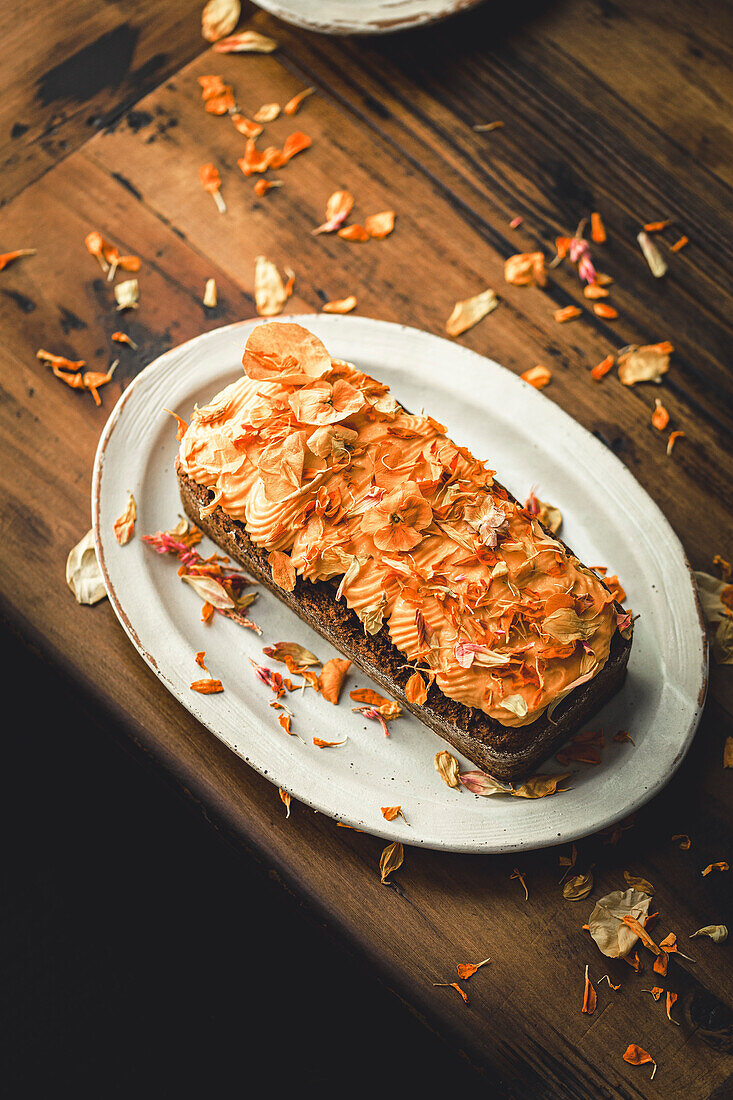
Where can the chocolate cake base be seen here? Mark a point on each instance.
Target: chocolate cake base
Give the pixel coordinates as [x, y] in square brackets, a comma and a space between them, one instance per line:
[506, 752]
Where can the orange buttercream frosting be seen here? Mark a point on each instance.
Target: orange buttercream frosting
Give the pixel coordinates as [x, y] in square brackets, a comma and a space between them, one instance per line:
[318, 461]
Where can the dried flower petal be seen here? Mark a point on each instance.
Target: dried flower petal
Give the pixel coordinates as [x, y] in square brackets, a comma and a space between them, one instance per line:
[606, 979]
[641, 932]
[338, 209]
[487, 127]
[123, 338]
[602, 368]
[453, 985]
[652, 255]
[391, 860]
[578, 887]
[606, 923]
[320, 744]
[568, 313]
[644, 364]
[657, 227]
[211, 182]
[673, 437]
[246, 126]
[124, 525]
[720, 866]
[374, 715]
[597, 228]
[354, 233]
[602, 309]
[482, 784]
[538, 376]
[516, 873]
[261, 187]
[448, 768]
[340, 305]
[294, 143]
[291, 652]
[210, 297]
[293, 104]
[127, 294]
[526, 269]
[270, 295]
[389, 813]
[590, 1000]
[285, 798]
[656, 991]
[332, 678]
[380, 225]
[467, 970]
[470, 311]
[635, 1056]
[8, 257]
[679, 244]
[388, 708]
[685, 842]
[246, 42]
[670, 1000]
[83, 575]
[638, 883]
[540, 786]
[660, 416]
[209, 589]
[207, 687]
[218, 18]
[283, 570]
[718, 933]
[594, 291]
[268, 112]
[416, 691]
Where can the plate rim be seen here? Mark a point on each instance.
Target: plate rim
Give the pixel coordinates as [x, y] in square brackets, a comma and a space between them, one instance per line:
[473, 846]
[338, 24]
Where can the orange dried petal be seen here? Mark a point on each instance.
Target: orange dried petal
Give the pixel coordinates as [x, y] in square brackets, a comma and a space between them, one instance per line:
[354, 233]
[538, 376]
[602, 309]
[597, 228]
[332, 678]
[602, 368]
[207, 687]
[283, 570]
[567, 313]
[293, 104]
[660, 416]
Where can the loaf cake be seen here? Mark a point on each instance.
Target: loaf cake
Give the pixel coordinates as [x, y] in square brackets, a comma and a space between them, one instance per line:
[403, 551]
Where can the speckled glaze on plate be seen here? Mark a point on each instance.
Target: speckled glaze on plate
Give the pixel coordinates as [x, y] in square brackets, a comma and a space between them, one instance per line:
[609, 520]
[363, 16]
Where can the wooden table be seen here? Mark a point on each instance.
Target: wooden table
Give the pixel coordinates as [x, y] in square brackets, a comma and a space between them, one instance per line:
[609, 106]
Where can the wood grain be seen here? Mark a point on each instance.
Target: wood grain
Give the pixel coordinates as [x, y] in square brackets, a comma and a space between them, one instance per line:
[589, 123]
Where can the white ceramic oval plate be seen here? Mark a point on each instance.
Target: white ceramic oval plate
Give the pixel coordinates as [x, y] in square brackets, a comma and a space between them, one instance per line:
[608, 520]
[363, 16]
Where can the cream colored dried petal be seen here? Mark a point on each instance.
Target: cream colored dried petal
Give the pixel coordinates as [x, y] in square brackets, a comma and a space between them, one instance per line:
[219, 18]
[391, 860]
[83, 575]
[270, 296]
[606, 922]
[642, 364]
[268, 112]
[127, 294]
[470, 311]
[210, 297]
[447, 768]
